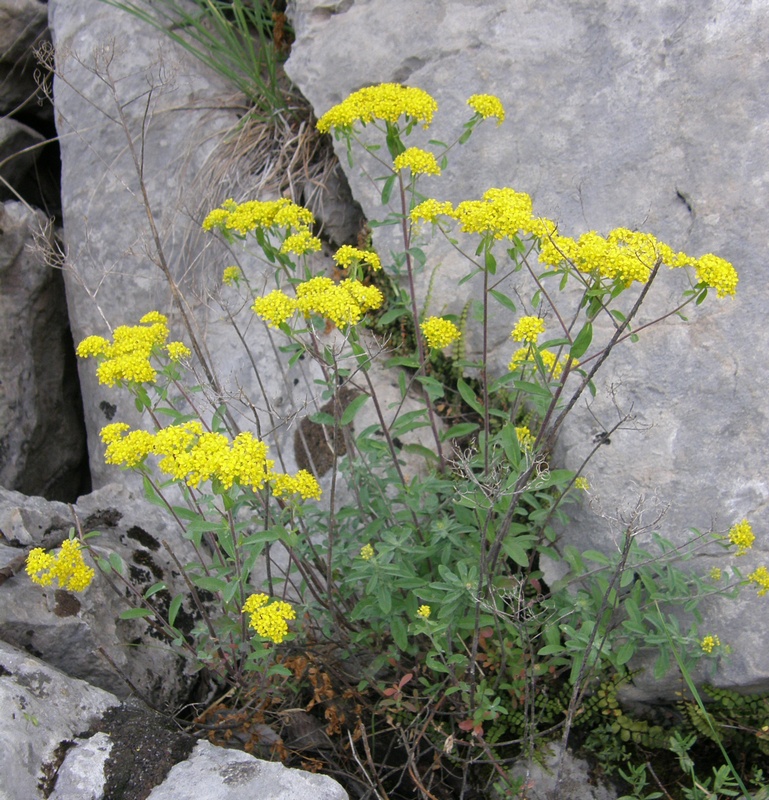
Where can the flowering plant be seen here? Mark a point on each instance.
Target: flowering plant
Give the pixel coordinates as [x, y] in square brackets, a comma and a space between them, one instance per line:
[428, 558]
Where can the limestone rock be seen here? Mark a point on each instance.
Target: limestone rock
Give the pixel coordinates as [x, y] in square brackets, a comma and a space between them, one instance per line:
[643, 115]
[81, 633]
[41, 712]
[63, 739]
[232, 775]
[42, 444]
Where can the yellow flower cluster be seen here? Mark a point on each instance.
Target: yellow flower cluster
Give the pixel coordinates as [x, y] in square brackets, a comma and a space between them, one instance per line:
[301, 243]
[742, 537]
[627, 256]
[177, 351]
[269, 621]
[760, 577]
[127, 357]
[524, 356]
[303, 484]
[188, 453]
[347, 254]
[387, 101]
[367, 552]
[528, 329]
[429, 210]
[582, 483]
[344, 304]
[716, 273]
[525, 438]
[245, 217]
[709, 643]
[275, 308]
[501, 213]
[68, 567]
[418, 161]
[439, 332]
[487, 105]
[715, 574]
[424, 612]
[231, 275]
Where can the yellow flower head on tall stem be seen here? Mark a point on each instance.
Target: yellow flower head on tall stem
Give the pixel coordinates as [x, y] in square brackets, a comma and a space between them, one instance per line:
[439, 332]
[269, 620]
[487, 105]
[387, 102]
[741, 535]
[67, 567]
[420, 162]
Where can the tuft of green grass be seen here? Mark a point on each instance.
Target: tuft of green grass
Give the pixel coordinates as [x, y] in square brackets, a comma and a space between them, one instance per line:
[239, 39]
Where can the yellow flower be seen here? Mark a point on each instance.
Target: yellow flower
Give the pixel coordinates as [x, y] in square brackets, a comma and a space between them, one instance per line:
[429, 210]
[501, 213]
[717, 273]
[741, 535]
[424, 612]
[388, 102]
[582, 483]
[178, 351]
[276, 308]
[68, 567]
[230, 275]
[245, 217]
[418, 161]
[269, 621]
[93, 346]
[344, 304]
[127, 357]
[367, 552]
[125, 446]
[487, 105]
[439, 332]
[303, 483]
[528, 329]
[709, 643]
[525, 438]
[524, 356]
[347, 254]
[301, 243]
[715, 574]
[760, 577]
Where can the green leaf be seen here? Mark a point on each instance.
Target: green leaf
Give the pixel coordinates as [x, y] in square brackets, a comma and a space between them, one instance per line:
[503, 299]
[468, 395]
[514, 548]
[399, 633]
[420, 450]
[582, 342]
[116, 563]
[353, 408]
[173, 609]
[136, 613]
[491, 263]
[384, 597]
[597, 557]
[625, 653]
[229, 591]
[392, 315]
[209, 583]
[387, 189]
[154, 589]
[322, 418]
[461, 429]
[433, 387]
